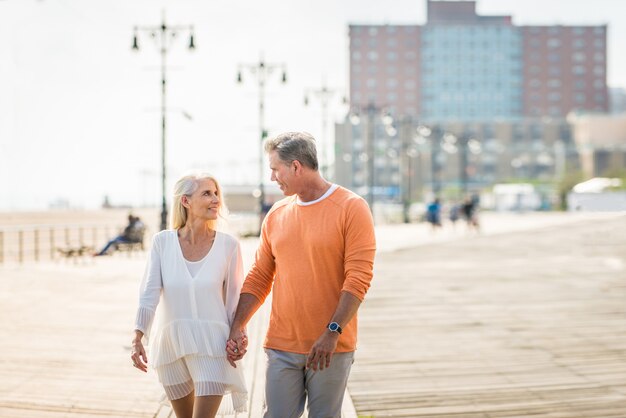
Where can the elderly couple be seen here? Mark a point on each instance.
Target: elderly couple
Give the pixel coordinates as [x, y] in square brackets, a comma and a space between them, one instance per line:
[316, 252]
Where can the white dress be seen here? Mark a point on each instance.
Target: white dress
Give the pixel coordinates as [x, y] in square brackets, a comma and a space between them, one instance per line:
[195, 312]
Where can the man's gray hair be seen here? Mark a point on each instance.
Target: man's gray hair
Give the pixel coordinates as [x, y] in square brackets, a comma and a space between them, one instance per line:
[292, 146]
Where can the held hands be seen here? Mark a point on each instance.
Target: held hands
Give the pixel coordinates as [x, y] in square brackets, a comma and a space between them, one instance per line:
[138, 355]
[322, 351]
[236, 346]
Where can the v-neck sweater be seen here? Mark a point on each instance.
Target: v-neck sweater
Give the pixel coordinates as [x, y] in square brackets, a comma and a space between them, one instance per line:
[195, 312]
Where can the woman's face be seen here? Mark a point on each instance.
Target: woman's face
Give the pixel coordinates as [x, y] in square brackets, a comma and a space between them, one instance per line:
[204, 202]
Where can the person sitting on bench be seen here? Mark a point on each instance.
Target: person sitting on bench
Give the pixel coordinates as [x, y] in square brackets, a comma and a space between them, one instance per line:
[133, 233]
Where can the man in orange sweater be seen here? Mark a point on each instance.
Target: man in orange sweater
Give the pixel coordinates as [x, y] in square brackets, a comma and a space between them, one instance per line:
[317, 252]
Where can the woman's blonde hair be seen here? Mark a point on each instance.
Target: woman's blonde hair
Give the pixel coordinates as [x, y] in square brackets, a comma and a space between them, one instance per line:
[185, 187]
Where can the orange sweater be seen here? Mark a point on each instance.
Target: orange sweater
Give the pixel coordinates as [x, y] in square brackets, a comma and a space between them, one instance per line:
[311, 254]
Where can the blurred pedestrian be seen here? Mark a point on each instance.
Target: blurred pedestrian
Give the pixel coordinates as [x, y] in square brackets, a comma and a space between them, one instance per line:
[469, 209]
[453, 214]
[195, 274]
[433, 214]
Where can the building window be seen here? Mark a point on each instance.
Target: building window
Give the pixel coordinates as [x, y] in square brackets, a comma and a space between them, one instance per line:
[554, 71]
[578, 70]
[554, 57]
[392, 56]
[372, 31]
[554, 43]
[579, 43]
[554, 97]
[598, 56]
[578, 31]
[356, 55]
[598, 43]
[371, 82]
[598, 70]
[409, 84]
[392, 83]
[535, 83]
[555, 111]
[392, 42]
[598, 84]
[372, 55]
[580, 84]
[578, 57]
[598, 31]
[554, 83]
[580, 97]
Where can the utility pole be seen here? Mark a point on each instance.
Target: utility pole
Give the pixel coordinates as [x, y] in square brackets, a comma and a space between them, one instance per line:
[406, 133]
[435, 165]
[262, 71]
[324, 94]
[164, 36]
[371, 110]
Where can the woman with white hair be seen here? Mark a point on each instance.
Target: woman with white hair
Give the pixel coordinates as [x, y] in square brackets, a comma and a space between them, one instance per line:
[194, 274]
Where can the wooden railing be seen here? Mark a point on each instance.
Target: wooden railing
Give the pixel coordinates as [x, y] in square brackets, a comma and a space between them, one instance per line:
[50, 242]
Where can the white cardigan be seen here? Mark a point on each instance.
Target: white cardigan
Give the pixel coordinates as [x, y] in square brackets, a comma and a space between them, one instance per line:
[195, 313]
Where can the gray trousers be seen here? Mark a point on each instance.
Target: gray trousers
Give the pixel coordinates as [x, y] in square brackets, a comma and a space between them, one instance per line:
[288, 384]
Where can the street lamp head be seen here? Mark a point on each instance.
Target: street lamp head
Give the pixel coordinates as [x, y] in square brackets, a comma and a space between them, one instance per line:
[135, 43]
[284, 76]
[424, 131]
[306, 100]
[239, 78]
[191, 44]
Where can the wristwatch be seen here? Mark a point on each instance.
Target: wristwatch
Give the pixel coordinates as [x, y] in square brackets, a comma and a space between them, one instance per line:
[334, 327]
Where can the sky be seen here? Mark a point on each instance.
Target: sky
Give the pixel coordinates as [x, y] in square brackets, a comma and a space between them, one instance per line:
[79, 109]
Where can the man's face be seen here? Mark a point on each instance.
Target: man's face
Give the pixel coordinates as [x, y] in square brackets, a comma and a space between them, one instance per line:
[282, 174]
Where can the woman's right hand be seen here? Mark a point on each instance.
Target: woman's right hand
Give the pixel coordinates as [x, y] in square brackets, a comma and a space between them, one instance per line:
[138, 353]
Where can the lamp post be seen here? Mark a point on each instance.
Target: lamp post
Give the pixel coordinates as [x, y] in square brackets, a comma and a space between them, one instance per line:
[262, 71]
[371, 110]
[406, 133]
[163, 36]
[324, 94]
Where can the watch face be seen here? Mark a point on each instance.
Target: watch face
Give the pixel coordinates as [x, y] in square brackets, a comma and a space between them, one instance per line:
[333, 326]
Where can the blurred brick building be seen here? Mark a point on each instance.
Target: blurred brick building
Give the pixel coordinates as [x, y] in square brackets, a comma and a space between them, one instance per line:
[493, 95]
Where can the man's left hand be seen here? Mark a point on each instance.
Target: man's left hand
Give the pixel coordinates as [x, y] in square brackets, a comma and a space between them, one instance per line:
[322, 351]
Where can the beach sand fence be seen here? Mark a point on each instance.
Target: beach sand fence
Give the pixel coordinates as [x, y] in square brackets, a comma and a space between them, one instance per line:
[63, 234]
[75, 235]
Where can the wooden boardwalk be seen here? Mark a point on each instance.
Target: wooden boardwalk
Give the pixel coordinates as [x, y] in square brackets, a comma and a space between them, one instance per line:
[526, 324]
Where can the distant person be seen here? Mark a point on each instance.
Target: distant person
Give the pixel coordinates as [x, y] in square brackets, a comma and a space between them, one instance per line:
[195, 273]
[133, 233]
[433, 214]
[316, 256]
[453, 214]
[469, 209]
